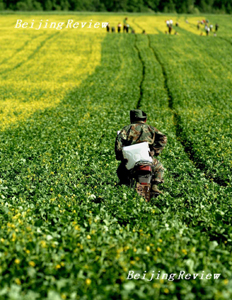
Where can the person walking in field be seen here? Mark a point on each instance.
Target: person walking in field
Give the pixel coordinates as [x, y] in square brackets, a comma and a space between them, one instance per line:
[108, 27]
[137, 132]
[125, 28]
[119, 27]
[216, 27]
[207, 30]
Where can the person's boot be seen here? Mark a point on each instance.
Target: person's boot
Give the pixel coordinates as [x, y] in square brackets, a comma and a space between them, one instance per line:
[155, 192]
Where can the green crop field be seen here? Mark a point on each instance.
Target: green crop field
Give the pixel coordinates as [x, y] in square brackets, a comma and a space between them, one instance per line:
[67, 230]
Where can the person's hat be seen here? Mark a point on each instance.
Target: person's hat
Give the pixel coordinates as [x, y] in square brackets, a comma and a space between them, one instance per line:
[137, 114]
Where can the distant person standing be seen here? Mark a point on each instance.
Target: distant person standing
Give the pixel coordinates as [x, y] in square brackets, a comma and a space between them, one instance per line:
[211, 27]
[119, 27]
[125, 25]
[108, 27]
[170, 29]
[112, 29]
[216, 27]
[207, 30]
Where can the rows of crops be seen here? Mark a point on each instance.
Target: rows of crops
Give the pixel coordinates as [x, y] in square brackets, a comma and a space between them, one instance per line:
[68, 231]
[200, 94]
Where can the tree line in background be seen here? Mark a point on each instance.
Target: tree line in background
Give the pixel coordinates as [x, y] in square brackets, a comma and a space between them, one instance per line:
[166, 6]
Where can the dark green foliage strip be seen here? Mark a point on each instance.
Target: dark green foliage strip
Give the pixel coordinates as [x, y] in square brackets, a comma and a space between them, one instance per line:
[167, 6]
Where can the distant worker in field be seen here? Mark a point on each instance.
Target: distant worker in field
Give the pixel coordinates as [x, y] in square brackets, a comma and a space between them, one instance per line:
[112, 29]
[211, 27]
[170, 29]
[125, 29]
[207, 30]
[108, 27]
[138, 132]
[144, 32]
[216, 27]
[119, 27]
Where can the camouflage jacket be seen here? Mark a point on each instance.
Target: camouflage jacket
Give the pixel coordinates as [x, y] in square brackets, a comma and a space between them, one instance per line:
[139, 132]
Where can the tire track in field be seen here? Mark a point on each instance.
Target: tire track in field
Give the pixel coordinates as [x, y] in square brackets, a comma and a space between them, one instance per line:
[180, 133]
[20, 49]
[200, 44]
[30, 56]
[224, 39]
[143, 73]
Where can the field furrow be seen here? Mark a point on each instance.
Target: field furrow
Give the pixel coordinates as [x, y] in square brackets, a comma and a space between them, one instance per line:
[192, 107]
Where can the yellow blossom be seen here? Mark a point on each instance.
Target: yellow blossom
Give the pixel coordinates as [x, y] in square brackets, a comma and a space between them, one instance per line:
[31, 263]
[184, 251]
[17, 281]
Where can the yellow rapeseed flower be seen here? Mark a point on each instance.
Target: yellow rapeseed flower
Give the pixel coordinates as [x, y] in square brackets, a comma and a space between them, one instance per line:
[184, 251]
[88, 281]
[17, 281]
[17, 261]
[31, 263]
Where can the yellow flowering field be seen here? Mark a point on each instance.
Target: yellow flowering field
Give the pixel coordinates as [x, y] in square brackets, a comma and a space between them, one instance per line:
[38, 68]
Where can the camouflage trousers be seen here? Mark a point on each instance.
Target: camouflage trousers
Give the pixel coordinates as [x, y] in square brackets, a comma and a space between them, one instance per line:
[157, 172]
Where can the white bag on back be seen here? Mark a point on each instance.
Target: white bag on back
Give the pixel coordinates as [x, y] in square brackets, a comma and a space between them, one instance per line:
[135, 153]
